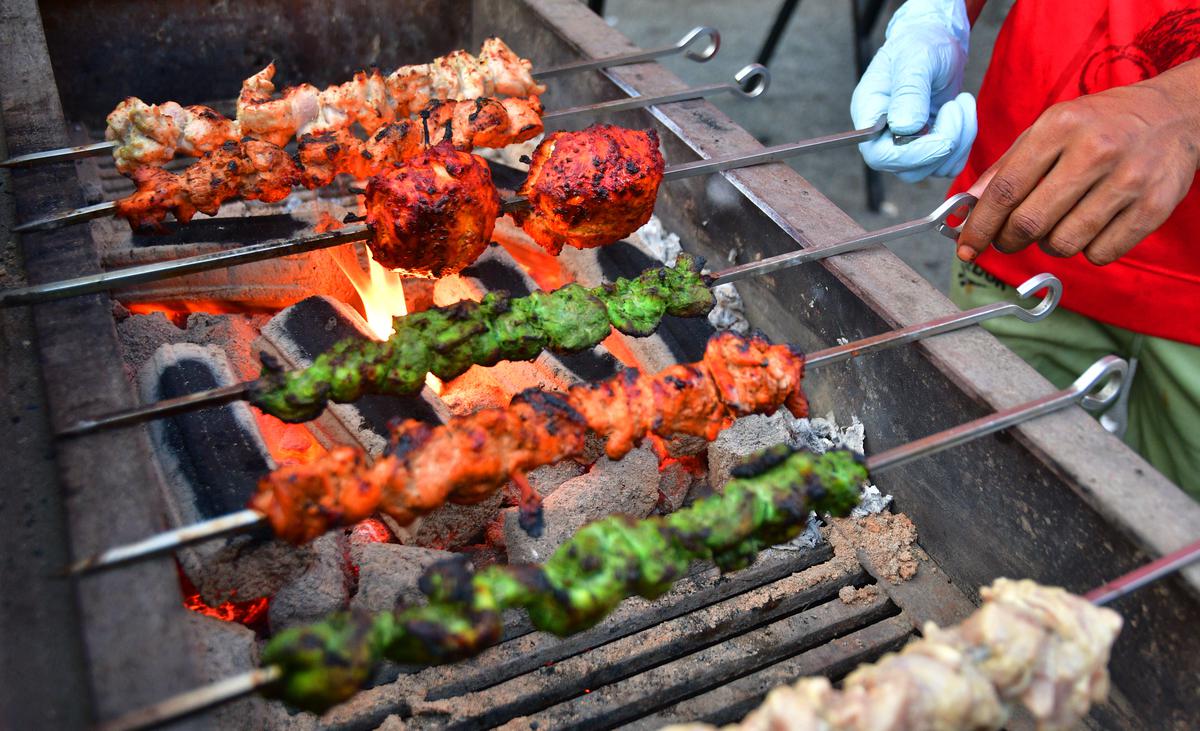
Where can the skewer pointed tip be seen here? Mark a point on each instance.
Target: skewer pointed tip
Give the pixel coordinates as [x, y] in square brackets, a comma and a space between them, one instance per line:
[169, 541]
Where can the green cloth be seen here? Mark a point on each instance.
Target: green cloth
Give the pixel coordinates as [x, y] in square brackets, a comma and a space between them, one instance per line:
[1164, 401]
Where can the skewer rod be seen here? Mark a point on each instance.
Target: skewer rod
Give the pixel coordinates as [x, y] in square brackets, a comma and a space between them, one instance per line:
[245, 519]
[1139, 577]
[79, 215]
[167, 407]
[935, 221]
[709, 50]
[751, 81]
[171, 540]
[185, 704]
[774, 153]
[62, 153]
[948, 323]
[177, 267]
[1095, 388]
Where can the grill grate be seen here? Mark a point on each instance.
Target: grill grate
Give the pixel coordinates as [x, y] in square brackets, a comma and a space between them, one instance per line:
[651, 662]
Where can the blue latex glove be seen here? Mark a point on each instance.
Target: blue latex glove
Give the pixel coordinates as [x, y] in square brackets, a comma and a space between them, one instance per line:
[915, 80]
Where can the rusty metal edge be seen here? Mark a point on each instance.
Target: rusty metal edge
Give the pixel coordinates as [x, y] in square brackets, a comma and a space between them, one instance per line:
[1108, 475]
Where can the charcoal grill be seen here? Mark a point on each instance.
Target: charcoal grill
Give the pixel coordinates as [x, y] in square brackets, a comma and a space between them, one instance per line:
[1059, 500]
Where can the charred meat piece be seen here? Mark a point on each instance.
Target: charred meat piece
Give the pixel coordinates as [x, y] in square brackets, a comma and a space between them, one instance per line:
[251, 170]
[153, 134]
[471, 456]
[592, 187]
[434, 215]
[585, 579]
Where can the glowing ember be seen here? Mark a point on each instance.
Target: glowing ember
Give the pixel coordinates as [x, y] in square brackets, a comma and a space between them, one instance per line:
[382, 293]
[370, 530]
[252, 613]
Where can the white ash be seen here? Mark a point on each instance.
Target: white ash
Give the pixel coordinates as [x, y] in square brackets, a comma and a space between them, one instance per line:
[657, 242]
[729, 313]
[820, 435]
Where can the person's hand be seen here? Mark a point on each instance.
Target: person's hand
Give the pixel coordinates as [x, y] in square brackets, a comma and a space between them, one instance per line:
[1095, 174]
[915, 80]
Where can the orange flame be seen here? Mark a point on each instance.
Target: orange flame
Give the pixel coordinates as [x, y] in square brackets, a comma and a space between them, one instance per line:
[382, 293]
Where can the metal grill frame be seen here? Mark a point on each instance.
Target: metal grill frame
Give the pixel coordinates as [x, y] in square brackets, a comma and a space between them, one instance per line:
[1058, 500]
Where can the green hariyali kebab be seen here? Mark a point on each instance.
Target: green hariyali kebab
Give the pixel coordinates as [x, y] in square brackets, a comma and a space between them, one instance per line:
[446, 341]
[604, 563]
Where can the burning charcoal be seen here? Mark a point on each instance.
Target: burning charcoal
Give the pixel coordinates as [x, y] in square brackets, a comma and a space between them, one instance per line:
[452, 527]
[388, 574]
[213, 458]
[628, 486]
[548, 479]
[248, 569]
[748, 435]
[675, 484]
[310, 327]
[322, 589]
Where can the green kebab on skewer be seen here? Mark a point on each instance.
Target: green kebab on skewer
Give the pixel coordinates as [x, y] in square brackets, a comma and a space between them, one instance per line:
[603, 564]
[446, 341]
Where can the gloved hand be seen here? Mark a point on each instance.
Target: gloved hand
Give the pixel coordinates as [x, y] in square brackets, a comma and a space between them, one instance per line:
[919, 69]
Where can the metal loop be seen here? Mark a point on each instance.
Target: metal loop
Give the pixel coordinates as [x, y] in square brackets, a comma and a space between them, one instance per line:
[753, 80]
[1041, 310]
[710, 50]
[960, 205]
[1100, 384]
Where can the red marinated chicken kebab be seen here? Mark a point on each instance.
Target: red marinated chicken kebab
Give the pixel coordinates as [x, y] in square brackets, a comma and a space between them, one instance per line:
[433, 214]
[261, 169]
[252, 169]
[471, 456]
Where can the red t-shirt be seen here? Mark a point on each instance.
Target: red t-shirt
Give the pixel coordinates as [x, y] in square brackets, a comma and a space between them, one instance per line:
[1050, 51]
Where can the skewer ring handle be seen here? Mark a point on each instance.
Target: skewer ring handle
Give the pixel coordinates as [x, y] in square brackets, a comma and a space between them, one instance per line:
[1101, 383]
[752, 80]
[710, 49]
[959, 206]
[1042, 310]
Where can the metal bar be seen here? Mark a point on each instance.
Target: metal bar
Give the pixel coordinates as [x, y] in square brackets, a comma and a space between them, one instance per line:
[775, 153]
[168, 541]
[57, 155]
[750, 81]
[79, 215]
[700, 31]
[959, 205]
[167, 407]
[177, 267]
[1139, 577]
[1097, 387]
[186, 704]
[948, 323]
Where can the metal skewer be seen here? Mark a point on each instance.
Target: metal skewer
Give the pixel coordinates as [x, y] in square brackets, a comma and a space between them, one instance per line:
[256, 252]
[244, 520]
[710, 49]
[957, 321]
[1097, 386]
[750, 82]
[702, 31]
